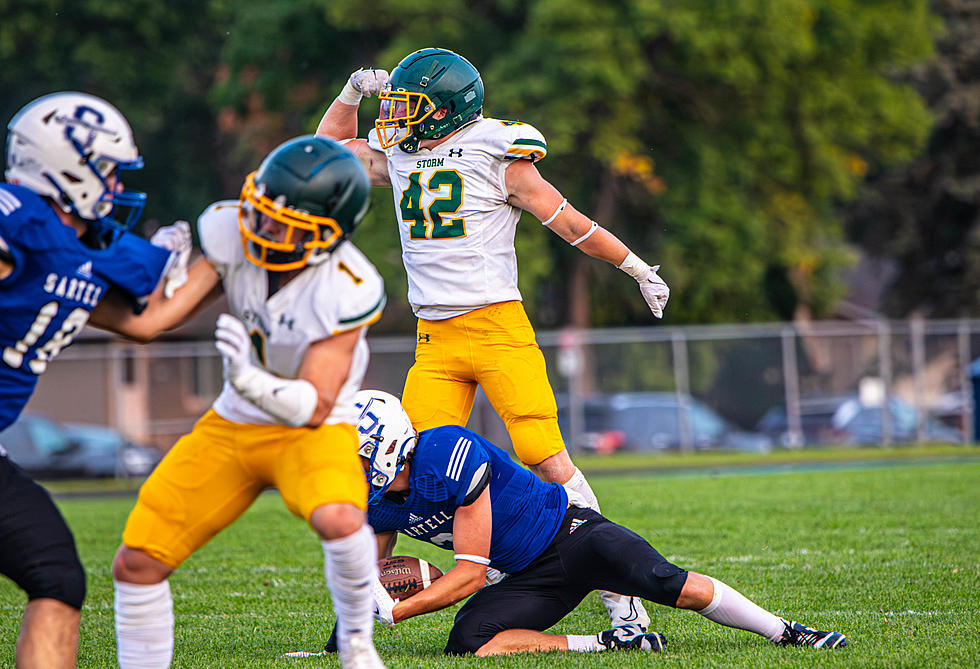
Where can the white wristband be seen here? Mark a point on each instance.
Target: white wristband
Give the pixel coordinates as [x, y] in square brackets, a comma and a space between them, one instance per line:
[592, 229]
[350, 95]
[472, 558]
[560, 209]
[633, 266]
[290, 401]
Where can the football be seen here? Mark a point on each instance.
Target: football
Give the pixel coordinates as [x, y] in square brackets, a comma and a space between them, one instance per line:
[404, 576]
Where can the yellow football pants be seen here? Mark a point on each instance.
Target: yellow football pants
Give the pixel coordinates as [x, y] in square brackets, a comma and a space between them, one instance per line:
[494, 348]
[212, 475]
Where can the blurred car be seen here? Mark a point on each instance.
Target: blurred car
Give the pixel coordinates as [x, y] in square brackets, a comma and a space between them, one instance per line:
[109, 453]
[45, 448]
[843, 419]
[650, 421]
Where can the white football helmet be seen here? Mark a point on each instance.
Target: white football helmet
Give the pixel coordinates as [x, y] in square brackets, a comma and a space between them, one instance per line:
[64, 146]
[386, 436]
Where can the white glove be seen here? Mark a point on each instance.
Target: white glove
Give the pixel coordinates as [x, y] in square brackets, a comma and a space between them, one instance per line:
[232, 341]
[652, 287]
[178, 239]
[654, 291]
[383, 604]
[363, 83]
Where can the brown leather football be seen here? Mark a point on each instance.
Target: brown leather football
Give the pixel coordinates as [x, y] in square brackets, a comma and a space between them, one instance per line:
[404, 576]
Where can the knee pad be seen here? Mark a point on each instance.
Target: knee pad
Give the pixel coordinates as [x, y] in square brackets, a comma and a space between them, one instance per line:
[59, 576]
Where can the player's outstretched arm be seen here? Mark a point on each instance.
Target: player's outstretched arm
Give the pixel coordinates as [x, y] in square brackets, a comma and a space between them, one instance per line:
[115, 313]
[472, 525]
[533, 193]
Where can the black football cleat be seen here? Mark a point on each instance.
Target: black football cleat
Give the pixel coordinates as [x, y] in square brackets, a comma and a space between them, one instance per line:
[796, 634]
[621, 638]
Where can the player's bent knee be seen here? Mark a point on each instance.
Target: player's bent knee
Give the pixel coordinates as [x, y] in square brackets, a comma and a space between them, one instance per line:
[465, 638]
[131, 565]
[335, 521]
[61, 579]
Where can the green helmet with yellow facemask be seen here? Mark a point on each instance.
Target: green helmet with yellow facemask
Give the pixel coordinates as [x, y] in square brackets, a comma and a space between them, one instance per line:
[423, 85]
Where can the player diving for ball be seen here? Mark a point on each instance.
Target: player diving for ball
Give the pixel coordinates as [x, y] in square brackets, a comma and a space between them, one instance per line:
[450, 487]
[294, 353]
[460, 182]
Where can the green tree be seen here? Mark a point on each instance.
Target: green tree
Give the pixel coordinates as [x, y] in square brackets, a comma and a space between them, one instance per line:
[716, 137]
[924, 216]
[154, 61]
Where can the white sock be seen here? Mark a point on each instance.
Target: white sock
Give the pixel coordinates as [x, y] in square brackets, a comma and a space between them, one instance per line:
[731, 608]
[144, 625]
[350, 565]
[580, 492]
[584, 643]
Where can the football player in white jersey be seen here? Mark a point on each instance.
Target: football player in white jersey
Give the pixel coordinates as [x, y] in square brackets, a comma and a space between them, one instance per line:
[294, 354]
[460, 182]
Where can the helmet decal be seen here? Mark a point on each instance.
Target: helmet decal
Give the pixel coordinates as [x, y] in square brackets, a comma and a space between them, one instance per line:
[70, 147]
[387, 438]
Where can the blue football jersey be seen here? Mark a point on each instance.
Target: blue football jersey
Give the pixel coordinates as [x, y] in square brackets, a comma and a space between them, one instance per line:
[56, 283]
[448, 461]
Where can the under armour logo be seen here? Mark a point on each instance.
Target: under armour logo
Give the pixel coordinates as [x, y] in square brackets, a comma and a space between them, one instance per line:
[455, 153]
[423, 337]
[288, 322]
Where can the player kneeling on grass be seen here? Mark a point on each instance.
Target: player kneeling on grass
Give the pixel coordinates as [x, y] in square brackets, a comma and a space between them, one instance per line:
[451, 487]
[294, 354]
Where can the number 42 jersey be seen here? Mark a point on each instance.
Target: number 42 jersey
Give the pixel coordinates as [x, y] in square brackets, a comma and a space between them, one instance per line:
[456, 226]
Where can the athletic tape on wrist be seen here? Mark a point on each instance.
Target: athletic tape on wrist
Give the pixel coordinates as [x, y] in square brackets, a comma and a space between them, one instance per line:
[350, 95]
[560, 209]
[472, 558]
[595, 226]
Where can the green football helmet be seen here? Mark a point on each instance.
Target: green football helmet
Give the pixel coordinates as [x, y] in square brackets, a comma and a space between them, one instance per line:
[425, 83]
[314, 190]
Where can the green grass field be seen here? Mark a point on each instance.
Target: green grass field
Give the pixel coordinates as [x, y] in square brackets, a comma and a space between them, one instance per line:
[887, 554]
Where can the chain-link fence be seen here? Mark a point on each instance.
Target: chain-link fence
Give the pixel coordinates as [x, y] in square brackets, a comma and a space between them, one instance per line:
[748, 387]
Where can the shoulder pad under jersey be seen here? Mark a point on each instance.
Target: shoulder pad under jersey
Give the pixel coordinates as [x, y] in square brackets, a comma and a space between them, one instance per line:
[513, 139]
[360, 288]
[221, 239]
[448, 462]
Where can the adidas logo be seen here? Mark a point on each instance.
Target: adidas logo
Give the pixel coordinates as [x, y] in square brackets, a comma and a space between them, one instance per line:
[575, 524]
[85, 269]
[412, 518]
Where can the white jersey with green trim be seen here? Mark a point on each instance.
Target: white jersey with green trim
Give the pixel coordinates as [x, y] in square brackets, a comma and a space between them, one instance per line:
[341, 293]
[456, 226]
